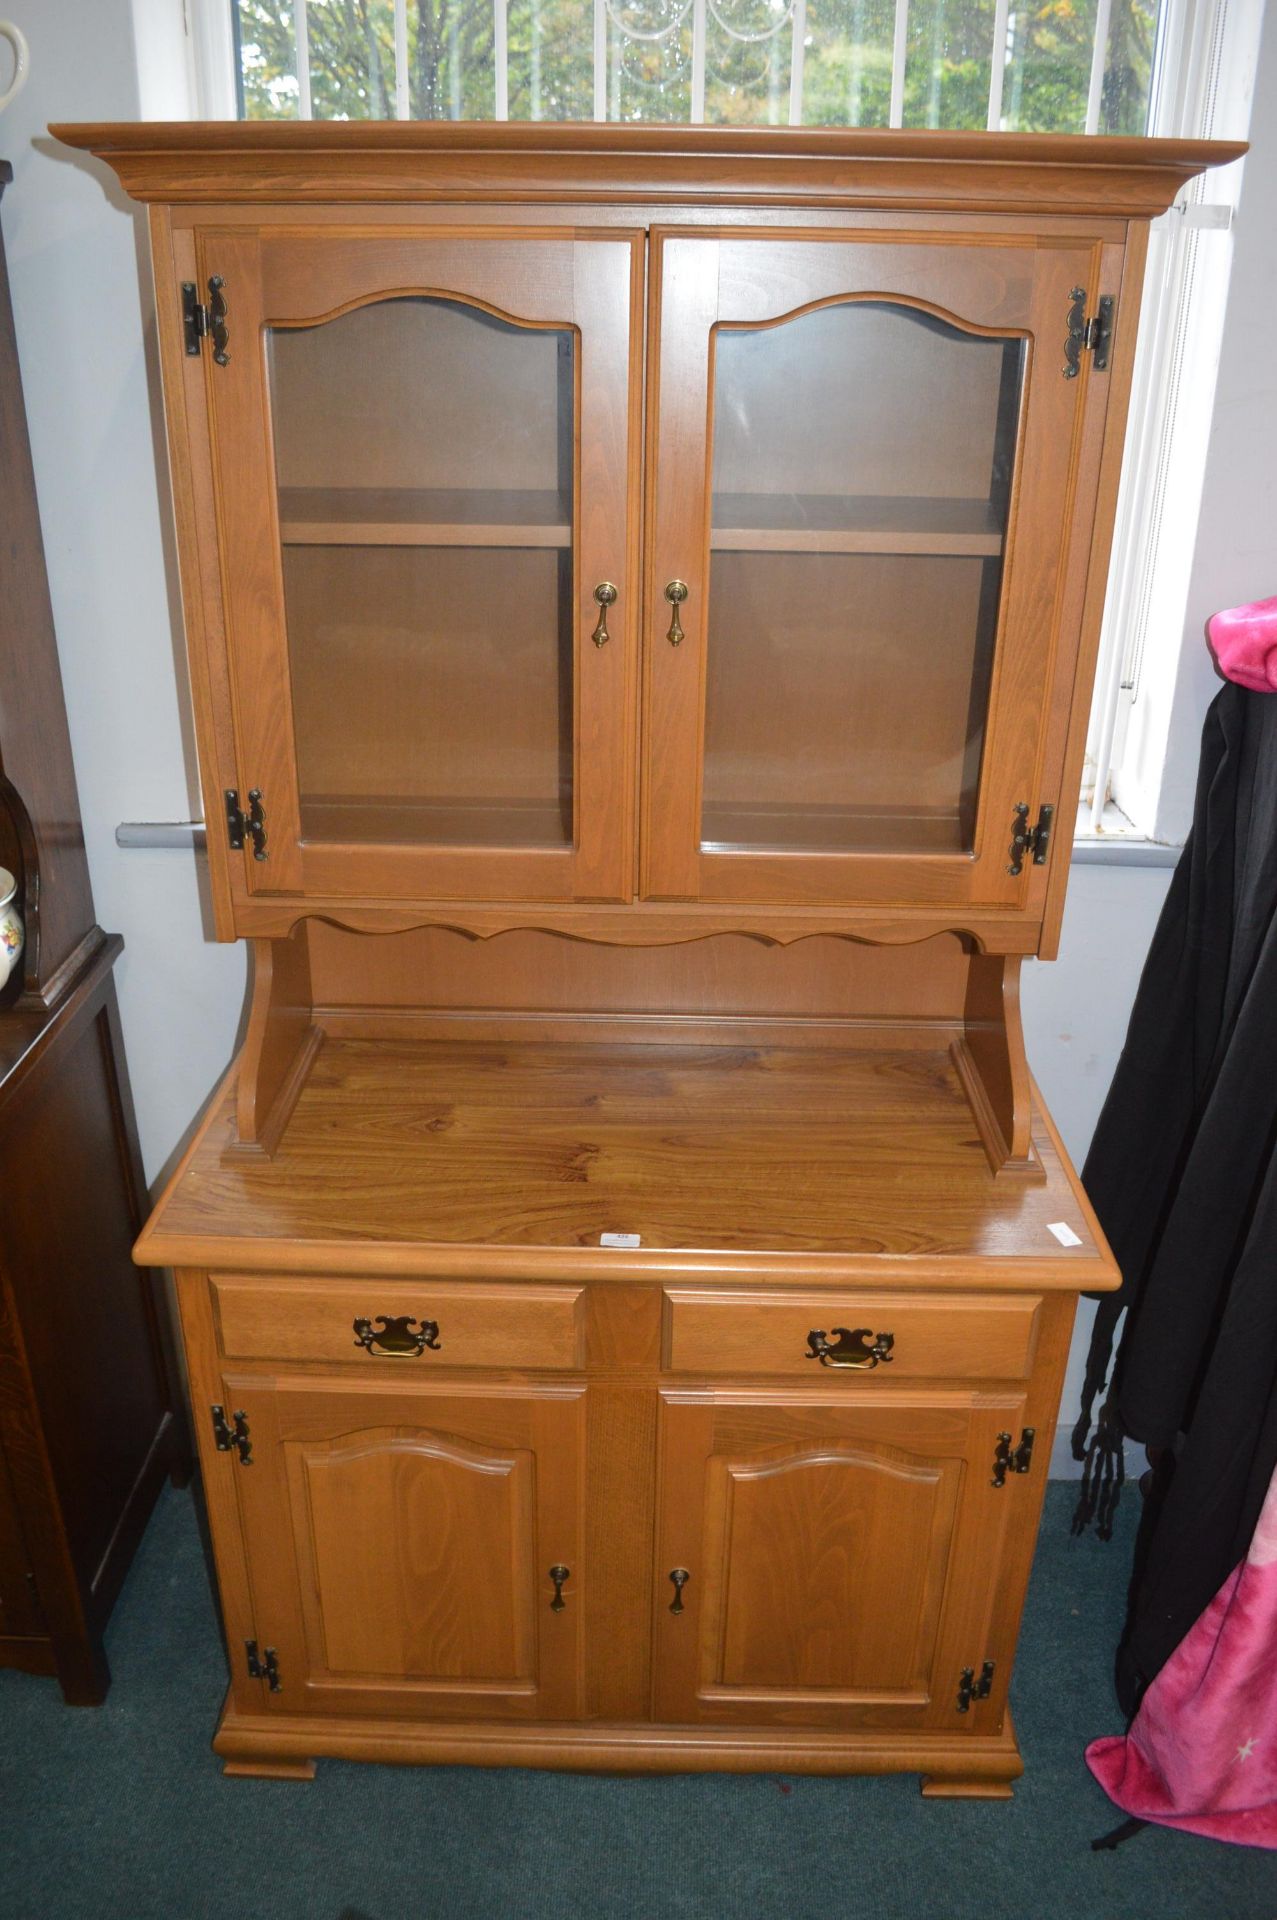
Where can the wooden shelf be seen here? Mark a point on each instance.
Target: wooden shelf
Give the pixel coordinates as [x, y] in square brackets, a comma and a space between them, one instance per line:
[844, 1151]
[853, 523]
[798, 829]
[394, 821]
[424, 517]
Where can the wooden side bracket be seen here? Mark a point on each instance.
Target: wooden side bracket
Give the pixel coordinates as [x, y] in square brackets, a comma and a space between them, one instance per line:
[990, 1061]
[280, 1046]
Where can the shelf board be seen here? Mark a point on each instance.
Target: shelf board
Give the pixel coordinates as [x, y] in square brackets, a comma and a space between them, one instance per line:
[853, 523]
[424, 517]
[854, 1153]
[392, 821]
[799, 829]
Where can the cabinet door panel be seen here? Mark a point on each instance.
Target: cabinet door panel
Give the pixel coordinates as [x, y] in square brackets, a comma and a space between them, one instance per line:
[420, 448]
[842, 1558]
[864, 452]
[401, 1542]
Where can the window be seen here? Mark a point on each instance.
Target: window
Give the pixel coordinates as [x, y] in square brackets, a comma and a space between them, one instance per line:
[1058, 66]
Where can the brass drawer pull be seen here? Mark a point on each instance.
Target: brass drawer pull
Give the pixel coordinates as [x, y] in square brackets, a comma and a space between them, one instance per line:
[559, 1575]
[860, 1350]
[680, 1577]
[676, 593]
[395, 1339]
[605, 594]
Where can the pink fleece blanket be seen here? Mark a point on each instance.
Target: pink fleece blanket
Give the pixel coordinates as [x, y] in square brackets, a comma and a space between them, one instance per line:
[1244, 643]
[1202, 1751]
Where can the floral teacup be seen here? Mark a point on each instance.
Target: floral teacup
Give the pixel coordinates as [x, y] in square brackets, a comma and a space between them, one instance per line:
[12, 937]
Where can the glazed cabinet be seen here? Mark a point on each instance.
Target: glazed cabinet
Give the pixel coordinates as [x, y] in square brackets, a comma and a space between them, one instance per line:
[864, 463]
[416, 495]
[642, 588]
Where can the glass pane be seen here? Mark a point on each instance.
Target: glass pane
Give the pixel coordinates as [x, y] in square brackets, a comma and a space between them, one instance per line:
[551, 59]
[847, 71]
[947, 63]
[649, 60]
[424, 457]
[862, 472]
[1128, 66]
[748, 49]
[266, 67]
[451, 60]
[352, 59]
[1048, 71]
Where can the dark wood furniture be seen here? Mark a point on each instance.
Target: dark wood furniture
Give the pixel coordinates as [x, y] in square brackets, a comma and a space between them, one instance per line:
[642, 589]
[87, 1423]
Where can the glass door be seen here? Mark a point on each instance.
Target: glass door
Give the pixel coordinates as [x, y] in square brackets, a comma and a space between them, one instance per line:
[420, 457]
[852, 629]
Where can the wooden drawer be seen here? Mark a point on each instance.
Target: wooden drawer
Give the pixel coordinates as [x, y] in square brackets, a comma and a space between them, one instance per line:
[476, 1325]
[959, 1336]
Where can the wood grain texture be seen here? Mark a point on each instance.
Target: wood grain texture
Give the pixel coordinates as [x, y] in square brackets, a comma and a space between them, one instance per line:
[981, 1765]
[280, 1044]
[385, 161]
[790, 1080]
[518, 1158]
[833, 1556]
[400, 1541]
[492, 1327]
[757, 1332]
[88, 1428]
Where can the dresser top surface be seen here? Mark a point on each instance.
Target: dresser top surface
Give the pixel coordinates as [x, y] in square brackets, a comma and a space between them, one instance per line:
[482, 1158]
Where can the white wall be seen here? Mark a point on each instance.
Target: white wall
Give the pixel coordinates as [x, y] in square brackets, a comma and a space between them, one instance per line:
[85, 329]
[1235, 554]
[77, 258]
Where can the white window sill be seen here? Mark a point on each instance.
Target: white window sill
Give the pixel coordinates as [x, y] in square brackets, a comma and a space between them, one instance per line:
[1119, 842]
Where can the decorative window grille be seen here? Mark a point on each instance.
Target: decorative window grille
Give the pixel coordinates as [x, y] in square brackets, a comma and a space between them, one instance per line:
[1058, 66]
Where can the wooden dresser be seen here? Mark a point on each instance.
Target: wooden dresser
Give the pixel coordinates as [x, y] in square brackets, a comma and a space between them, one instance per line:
[88, 1428]
[642, 589]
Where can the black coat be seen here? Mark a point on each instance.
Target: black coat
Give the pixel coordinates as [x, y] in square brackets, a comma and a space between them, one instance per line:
[1182, 1172]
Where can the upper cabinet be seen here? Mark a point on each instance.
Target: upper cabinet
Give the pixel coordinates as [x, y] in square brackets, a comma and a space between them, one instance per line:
[420, 485]
[644, 532]
[863, 453]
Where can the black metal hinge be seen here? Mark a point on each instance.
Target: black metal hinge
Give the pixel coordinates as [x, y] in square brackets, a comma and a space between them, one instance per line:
[231, 1436]
[201, 323]
[1027, 839]
[241, 826]
[969, 1688]
[1008, 1459]
[1093, 336]
[264, 1667]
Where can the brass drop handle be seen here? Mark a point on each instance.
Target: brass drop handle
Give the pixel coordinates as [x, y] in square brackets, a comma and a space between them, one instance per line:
[605, 594]
[680, 1576]
[859, 1350]
[676, 593]
[395, 1339]
[558, 1575]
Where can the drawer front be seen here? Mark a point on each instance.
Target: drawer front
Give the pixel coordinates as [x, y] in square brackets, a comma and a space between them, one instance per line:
[399, 1326]
[848, 1336]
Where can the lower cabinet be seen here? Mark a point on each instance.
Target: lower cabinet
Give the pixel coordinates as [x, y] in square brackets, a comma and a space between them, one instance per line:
[827, 1560]
[414, 1552]
[824, 1557]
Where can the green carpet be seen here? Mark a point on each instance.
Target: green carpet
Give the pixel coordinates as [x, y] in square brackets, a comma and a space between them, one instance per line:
[124, 1811]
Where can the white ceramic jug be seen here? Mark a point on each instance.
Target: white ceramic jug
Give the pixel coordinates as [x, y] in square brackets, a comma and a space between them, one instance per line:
[21, 60]
[12, 937]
